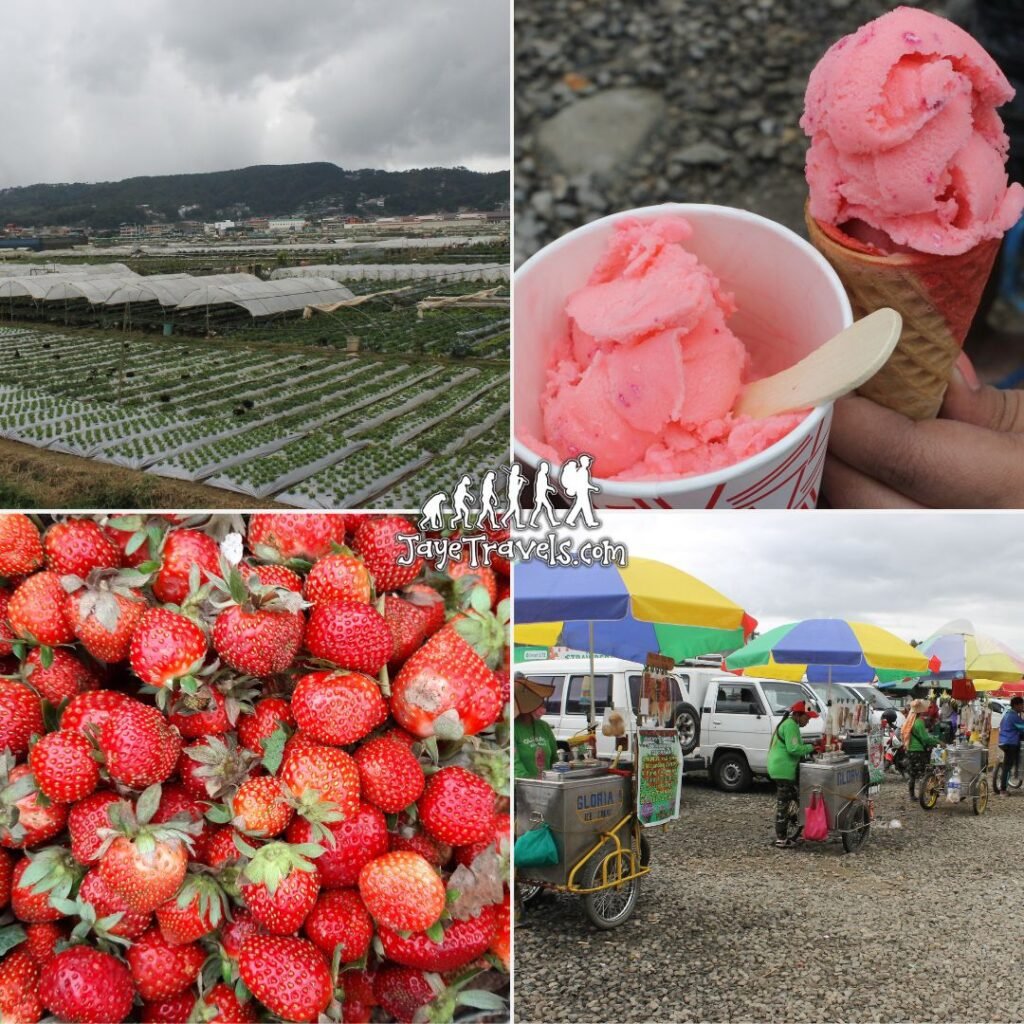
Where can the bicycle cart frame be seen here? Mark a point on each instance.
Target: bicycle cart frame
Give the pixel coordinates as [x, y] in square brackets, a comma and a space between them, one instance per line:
[973, 765]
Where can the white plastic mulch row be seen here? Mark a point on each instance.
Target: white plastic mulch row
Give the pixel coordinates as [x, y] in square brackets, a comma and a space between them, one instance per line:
[420, 428]
[414, 403]
[400, 271]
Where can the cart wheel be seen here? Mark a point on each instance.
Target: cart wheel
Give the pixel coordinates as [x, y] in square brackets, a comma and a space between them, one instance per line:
[613, 906]
[929, 791]
[528, 891]
[857, 828]
[980, 801]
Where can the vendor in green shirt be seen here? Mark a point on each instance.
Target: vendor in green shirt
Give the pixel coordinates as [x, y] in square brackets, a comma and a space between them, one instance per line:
[918, 741]
[533, 738]
[784, 754]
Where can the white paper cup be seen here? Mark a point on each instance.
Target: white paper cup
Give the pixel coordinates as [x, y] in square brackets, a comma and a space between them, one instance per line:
[789, 302]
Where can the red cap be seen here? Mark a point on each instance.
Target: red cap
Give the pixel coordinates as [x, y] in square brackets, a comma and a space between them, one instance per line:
[800, 708]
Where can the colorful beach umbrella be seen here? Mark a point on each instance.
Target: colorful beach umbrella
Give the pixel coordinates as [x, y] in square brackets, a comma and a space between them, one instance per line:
[632, 639]
[648, 590]
[967, 654]
[825, 643]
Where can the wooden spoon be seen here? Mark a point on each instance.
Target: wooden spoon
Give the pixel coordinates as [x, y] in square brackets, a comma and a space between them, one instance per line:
[843, 363]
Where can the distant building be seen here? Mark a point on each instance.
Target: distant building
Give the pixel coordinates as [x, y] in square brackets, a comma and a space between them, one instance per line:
[130, 231]
[285, 224]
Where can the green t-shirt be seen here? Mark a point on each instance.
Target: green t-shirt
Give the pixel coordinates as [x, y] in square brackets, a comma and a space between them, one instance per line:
[920, 737]
[535, 746]
[786, 749]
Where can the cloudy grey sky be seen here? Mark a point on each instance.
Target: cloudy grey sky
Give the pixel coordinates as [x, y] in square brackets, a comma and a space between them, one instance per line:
[114, 88]
[909, 572]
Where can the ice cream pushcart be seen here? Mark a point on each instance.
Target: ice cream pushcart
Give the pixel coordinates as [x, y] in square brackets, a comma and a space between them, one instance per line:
[957, 774]
[844, 785]
[602, 851]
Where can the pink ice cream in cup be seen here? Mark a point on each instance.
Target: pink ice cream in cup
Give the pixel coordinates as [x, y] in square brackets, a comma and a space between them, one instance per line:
[634, 336]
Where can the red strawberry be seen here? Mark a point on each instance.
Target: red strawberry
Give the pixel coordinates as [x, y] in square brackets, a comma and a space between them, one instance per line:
[166, 646]
[408, 625]
[21, 715]
[84, 820]
[6, 867]
[289, 976]
[467, 577]
[390, 774]
[216, 846]
[401, 991]
[327, 771]
[446, 689]
[106, 902]
[41, 940]
[21, 550]
[338, 707]
[38, 610]
[463, 942]
[502, 939]
[134, 532]
[85, 986]
[161, 970]
[266, 716]
[19, 988]
[64, 767]
[183, 549]
[23, 821]
[142, 862]
[242, 926]
[259, 642]
[338, 576]
[349, 634]
[139, 746]
[35, 879]
[457, 807]
[175, 799]
[199, 907]
[281, 536]
[502, 838]
[104, 614]
[428, 600]
[402, 891]
[222, 1005]
[377, 541]
[357, 840]
[499, 563]
[173, 1010]
[65, 677]
[339, 918]
[200, 714]
[77, 546]
[275, 576]
[88, 711]
[428, 848]
[6, 636]
[280, 885]
[259, 806]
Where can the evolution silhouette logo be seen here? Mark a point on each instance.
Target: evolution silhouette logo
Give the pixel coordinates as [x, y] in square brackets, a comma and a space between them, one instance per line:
[462, 525]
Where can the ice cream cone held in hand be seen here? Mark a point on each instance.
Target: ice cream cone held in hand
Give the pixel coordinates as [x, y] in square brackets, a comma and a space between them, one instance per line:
[908, 193]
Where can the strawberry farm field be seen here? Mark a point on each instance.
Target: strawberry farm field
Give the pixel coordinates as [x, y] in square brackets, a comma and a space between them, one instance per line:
[290, 423]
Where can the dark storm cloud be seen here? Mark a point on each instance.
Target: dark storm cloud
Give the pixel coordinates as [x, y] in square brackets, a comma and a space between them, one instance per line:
[908, 572]
[115, 88]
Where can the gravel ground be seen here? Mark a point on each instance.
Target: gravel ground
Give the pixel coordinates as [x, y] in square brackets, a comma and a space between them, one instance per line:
[622, 104]
[913, 927]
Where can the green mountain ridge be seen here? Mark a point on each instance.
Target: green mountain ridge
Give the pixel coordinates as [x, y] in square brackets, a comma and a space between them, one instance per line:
[267, 190]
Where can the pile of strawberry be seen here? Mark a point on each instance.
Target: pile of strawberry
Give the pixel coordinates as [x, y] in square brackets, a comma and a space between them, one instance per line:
[250, 769]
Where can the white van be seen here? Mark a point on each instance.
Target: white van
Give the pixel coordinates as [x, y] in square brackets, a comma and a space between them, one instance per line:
[725, 722]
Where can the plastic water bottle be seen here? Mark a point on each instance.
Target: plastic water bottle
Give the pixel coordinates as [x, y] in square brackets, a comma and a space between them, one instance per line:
[953, 788]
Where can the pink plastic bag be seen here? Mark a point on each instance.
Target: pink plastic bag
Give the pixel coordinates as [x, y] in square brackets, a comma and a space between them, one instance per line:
[816, 820]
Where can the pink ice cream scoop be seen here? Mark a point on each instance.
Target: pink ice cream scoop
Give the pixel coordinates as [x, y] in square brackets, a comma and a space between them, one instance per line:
[907, 150]
[648, 372]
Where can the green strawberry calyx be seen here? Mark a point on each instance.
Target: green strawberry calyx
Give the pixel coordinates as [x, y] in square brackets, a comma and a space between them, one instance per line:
[134, 824]
[271, 864]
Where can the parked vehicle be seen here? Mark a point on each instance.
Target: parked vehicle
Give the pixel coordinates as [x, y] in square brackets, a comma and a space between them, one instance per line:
[725, 722]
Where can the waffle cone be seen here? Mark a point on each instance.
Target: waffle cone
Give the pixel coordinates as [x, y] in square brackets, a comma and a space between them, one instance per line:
[937, 296]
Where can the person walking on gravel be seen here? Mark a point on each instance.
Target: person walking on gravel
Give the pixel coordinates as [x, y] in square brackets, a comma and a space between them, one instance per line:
[918, 741]
[1010, 729]
[784, 754]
